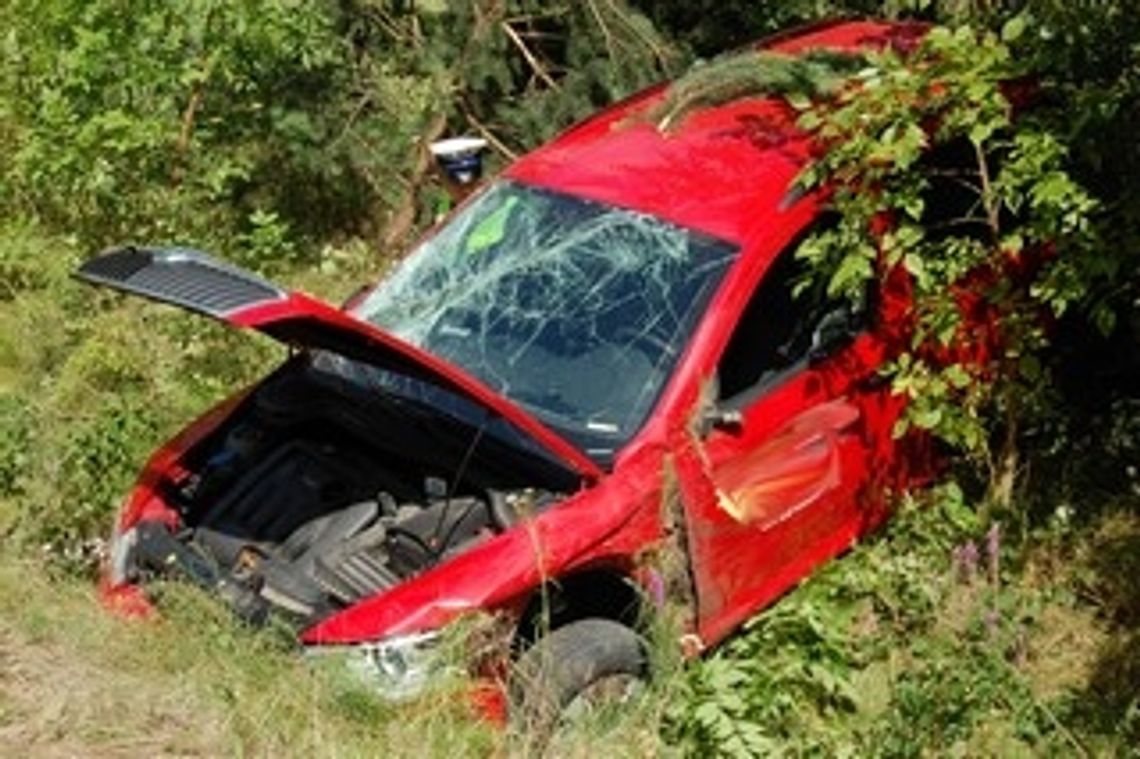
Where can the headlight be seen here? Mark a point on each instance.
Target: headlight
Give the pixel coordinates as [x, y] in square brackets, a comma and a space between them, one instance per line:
[398, 668]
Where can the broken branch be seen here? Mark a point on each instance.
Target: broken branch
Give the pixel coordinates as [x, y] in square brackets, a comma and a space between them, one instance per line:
[534, 63]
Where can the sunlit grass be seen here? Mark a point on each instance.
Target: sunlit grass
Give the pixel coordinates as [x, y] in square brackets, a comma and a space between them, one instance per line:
[194, 681]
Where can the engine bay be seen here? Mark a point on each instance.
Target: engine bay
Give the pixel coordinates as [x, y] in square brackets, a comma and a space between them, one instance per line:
[308, 500]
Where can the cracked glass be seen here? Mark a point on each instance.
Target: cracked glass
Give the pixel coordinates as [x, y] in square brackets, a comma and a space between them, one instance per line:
[573, 309]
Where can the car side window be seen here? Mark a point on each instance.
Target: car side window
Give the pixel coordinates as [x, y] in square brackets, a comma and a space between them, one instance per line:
[779, 329]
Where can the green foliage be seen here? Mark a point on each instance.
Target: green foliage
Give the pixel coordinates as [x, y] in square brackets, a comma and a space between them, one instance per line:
[173, 117]
[516, 72]
[532, 68]
[15, 436]
[926, 641]
[267, 245]
[200, 123]
[1020, 244]
[755, 694]
[710, 27]
[88, 387]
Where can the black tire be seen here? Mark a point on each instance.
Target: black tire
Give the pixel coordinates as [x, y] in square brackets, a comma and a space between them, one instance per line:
[562, 665]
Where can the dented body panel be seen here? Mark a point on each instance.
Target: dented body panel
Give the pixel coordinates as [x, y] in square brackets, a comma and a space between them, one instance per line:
[793, 481]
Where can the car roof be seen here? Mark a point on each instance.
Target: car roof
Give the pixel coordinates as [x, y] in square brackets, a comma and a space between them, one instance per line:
[723, 170]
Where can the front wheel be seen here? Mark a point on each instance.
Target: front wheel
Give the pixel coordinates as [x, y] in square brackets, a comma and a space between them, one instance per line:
[578, 666]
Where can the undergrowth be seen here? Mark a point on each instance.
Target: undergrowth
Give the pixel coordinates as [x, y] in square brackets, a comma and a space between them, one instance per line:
[939, 637]
[190, 683]
[90, 383]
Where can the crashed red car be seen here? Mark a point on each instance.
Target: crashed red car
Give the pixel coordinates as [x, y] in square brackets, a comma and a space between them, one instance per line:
[594, 367]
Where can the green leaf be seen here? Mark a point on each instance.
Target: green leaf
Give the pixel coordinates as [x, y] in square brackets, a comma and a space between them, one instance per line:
[957, 376]
[1012, 30]
[914, 264]
[799, 101]
[982, 131]
[854, 270]
[955, 508]
[1104, 318]
[927, 418]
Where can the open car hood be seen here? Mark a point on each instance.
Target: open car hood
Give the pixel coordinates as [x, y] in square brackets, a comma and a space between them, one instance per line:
[198, 282]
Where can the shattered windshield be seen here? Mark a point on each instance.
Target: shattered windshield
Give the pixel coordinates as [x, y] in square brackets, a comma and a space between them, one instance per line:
[573, 309]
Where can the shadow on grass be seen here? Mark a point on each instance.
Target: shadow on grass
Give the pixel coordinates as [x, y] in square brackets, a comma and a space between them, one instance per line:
[1110, 705]
[1085, 475]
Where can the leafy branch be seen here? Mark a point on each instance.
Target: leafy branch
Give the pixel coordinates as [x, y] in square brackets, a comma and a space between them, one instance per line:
[991, 249]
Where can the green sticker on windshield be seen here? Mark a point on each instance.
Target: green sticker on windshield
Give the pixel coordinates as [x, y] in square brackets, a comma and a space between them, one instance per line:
[491, 229]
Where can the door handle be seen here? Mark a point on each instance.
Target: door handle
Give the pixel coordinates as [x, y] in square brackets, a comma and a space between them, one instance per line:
[728, 420]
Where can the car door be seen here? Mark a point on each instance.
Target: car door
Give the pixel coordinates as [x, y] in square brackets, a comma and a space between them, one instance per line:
[785, 440]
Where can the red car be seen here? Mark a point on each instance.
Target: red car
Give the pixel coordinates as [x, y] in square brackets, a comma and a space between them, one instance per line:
[588, 392]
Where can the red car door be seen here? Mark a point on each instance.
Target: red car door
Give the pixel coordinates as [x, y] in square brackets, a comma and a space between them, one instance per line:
[771, 476]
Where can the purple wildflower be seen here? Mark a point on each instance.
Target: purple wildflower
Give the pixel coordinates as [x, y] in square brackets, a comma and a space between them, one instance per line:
[655, 585]
[966, 561]
[993, 553]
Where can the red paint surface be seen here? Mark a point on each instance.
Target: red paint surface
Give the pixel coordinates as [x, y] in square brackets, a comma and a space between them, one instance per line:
[812, 452]
[723, 170]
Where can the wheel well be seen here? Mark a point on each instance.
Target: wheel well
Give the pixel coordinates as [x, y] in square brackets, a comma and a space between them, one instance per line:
[607, 594]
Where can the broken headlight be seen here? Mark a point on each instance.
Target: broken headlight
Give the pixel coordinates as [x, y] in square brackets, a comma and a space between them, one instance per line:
[121, 562]
[398, 668]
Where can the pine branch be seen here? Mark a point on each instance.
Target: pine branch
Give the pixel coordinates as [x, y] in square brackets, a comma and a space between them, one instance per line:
[756, 74]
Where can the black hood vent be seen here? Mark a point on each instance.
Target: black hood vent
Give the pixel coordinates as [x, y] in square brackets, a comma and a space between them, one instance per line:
[181, 276]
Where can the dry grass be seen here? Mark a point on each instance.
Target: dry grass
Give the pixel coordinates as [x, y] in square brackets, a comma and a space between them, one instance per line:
[78, 681]
[75, 681]
[1062, 656]
[56, 704]
[64, 695]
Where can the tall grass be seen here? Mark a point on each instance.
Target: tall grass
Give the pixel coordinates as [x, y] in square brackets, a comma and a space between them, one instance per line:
[897, 649]
[192, 682]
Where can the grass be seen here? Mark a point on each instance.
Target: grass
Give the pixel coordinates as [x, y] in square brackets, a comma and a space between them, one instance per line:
[80, 681]
[886, 652]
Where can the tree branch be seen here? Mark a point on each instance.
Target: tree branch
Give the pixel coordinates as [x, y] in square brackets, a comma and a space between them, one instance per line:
[605, 29]
[535, 65]
[189, 114]
[662, 54]
[993, 209]
[403, 219]
[489, 136]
